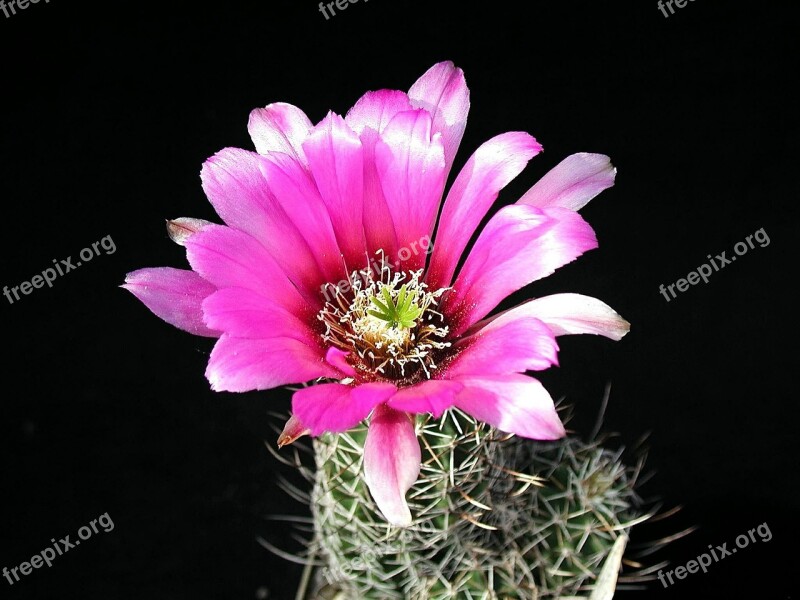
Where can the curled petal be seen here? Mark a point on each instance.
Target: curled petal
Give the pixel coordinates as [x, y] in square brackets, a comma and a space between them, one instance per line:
[292, 431]
[174, 295]
[391, 463]
[514, 403]
[568, 314]
[182, 228]
[572, 182]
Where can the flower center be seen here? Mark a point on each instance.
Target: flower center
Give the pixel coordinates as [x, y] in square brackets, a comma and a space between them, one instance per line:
[388, 324]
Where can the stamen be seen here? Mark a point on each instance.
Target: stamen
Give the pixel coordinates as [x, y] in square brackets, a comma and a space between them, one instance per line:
[389, 325]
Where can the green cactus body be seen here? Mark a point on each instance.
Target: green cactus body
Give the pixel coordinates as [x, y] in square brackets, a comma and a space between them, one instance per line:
[495, 516]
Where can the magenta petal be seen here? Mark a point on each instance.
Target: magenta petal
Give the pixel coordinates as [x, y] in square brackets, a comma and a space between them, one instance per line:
[236, 183]
[443, 92]
[504, 346]
[392, 460]
[567, 314]
[519, 245]
[411, 169]
[175, 295]
[182, 228]
[335, 407]
[374, 110]
[295, 191]
[513, 403]
[477, 186]
[379, 230]
[338, 359]
[369, 117]
[279, 127]
[231, 258]
[432, 396]
[336, 160]
[292, 431]
[241, 365]
[572, 182]
[243, 313]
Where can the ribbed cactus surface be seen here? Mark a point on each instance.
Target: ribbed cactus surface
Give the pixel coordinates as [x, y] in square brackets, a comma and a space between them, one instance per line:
[495, 516]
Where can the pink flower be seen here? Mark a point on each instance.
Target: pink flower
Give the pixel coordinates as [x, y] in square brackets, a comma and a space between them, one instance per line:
[325, 272]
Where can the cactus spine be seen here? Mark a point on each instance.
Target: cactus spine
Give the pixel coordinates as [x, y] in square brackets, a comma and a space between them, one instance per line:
[496, 517]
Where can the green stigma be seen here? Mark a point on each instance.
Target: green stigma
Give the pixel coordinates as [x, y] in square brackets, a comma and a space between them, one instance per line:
[400, 312]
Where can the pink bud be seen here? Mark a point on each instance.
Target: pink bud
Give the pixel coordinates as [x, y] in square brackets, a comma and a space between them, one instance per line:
[292, 431]
[181, 229]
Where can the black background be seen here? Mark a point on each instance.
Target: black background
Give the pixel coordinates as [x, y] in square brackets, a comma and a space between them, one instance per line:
[109, 110]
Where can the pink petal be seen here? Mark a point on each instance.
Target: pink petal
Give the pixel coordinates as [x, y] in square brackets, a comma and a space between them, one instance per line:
[292, 431]
[231, 258]
[235, 182]
[335, 407]
[432, 396]
[338, 359]
[513, 403]
[243, 313]
[411, 169]
[391, 463]
[443, 92]
[174, 295]
[336, 159]
[513, 344]
[374, 110]
[567, 314]
[572, 182]
[182, 228]
[241, 365]
[477, 186]
[379, 228]
[519, 245]
[369, 117]
[279, 127]
[298, 196]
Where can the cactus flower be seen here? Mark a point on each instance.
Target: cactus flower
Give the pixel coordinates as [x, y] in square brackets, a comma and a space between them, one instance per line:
[324, 272]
